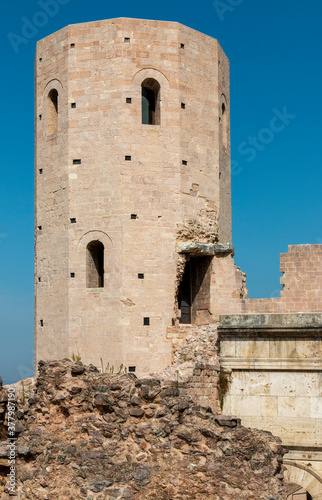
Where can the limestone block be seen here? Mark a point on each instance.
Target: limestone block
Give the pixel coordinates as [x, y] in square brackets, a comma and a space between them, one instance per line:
[293, 407]
[316, 408]
[283, 383]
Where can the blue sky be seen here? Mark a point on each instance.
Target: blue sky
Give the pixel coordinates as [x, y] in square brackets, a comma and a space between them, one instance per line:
[274, 49]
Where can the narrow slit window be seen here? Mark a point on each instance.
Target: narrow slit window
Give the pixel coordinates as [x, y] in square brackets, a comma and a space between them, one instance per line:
[224, 121]
[95, 265]
[52, 112]
[151, 102]
[184, 296]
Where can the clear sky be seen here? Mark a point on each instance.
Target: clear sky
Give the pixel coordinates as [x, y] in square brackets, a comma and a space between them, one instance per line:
[274, 48]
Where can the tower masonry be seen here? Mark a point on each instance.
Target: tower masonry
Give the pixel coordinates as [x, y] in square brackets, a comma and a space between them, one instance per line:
[133, 214]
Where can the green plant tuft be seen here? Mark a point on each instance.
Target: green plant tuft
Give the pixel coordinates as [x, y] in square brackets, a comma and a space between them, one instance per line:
[224, 381]
[23, 395]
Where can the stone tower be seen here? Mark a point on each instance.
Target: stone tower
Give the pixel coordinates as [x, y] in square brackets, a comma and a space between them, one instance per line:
[132, 188]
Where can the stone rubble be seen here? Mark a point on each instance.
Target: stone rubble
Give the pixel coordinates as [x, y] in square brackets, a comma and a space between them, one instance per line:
[87, 435]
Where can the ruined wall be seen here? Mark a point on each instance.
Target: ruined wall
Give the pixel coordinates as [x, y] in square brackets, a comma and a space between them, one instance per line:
[301, 292]
[301, 280]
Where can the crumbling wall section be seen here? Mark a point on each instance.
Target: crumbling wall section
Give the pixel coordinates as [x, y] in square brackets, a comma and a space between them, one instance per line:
[302, 285]
[195, 363]
[228, 286]
[301, 267]
[203, 229]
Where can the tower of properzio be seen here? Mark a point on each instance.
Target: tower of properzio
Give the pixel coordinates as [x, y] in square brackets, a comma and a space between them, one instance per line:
[133, 211]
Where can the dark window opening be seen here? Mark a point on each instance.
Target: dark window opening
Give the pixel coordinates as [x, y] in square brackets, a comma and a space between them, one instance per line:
[194, 291]
[128, 100]
[141, 276]
[40, 59]
[184, 162]
[77, 162]
[40, 170]
[39, 279]
[39, 228]
[73, 221]
[183, 106]
[134, 216]
[128, 158]
[150, 102]
[52, 112]
[184, 296]
[40, 117]
[72, 275]
[131, 368]
[72, 45]
[41, 322]
[73, 104]
[182, 45]
[224, 122]
[127, 40]
[95, 265]
[146, 321]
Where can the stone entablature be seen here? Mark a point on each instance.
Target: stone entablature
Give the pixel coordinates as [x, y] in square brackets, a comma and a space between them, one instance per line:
[274, 364]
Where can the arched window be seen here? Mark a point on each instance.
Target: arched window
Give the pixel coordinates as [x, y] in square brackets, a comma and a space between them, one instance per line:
[52, 112]
[150, 102]
[95, 265]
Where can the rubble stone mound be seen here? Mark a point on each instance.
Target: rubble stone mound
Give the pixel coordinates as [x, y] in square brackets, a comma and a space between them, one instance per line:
[87, 435]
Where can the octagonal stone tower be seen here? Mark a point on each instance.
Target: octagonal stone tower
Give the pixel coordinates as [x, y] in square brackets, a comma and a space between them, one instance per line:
[132, 188]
